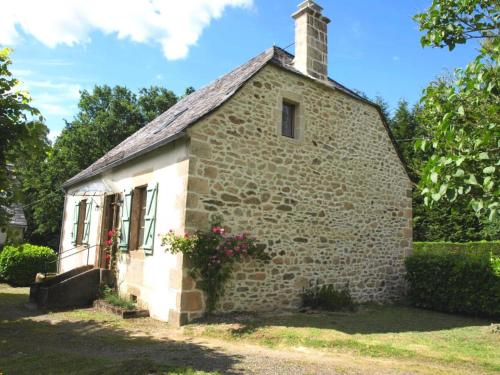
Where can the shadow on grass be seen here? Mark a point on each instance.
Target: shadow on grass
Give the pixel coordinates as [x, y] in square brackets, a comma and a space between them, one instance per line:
[30, 346]
[368, 319]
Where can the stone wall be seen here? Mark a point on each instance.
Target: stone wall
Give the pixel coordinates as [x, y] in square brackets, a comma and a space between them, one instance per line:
[332, 206]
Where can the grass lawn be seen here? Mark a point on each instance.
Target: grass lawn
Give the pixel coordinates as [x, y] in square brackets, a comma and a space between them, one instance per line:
[80, 342]
[390, 339]
[423, 341]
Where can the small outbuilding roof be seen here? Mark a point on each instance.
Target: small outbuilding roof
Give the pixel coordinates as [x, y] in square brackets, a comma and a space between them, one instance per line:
[171, 124]
[17, 219]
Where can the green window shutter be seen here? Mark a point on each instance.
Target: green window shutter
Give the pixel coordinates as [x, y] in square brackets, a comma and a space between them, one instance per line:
[125, 226]
[86, 223]
[150, 218]
[76, 214]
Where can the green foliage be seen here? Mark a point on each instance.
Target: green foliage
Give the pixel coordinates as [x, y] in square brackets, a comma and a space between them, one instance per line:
[211, 255]
[111, 297]
[478, 247]
[14, 110]
[455, 281]
[326, 297]
[107, 115]
[20, 264]
[450, 22]
[455, 222]
[384, 107]
[461, 114]
[461, 119]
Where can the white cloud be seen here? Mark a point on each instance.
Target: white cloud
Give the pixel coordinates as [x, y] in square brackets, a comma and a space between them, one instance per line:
[53, 99]
[53, 134]
[175, 25]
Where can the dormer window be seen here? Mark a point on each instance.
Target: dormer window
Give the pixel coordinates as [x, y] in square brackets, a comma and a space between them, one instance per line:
[288, 120]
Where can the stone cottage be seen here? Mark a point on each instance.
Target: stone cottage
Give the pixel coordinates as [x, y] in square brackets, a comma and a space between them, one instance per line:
[275, 147]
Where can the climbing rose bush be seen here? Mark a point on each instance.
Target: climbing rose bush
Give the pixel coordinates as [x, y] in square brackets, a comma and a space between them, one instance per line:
[211, 256]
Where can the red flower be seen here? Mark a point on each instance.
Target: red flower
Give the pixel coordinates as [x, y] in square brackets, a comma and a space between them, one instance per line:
[186, 235]
[218, 230]
[109, 242]
[108, 256]
[111, 233]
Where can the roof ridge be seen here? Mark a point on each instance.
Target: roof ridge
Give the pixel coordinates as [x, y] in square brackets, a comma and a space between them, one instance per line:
[170, 125]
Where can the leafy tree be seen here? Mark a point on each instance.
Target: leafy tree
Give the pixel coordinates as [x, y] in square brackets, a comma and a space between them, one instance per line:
[450, 22]
[189, 90]
[404, 128]
[154, 101]
[107, 115]
[14, 110]
[384, 106]
[460, 116]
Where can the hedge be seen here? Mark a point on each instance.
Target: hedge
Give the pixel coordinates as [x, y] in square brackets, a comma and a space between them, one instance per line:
[480, 247]
[457, 281]
[20, 264]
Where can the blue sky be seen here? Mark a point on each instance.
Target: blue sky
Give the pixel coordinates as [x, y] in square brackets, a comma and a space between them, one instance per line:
[374, 47]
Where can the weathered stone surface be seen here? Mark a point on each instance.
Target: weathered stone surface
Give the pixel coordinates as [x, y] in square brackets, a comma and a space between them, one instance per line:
[230, 198]
[333, 205]
[191, 301]
[257, 276]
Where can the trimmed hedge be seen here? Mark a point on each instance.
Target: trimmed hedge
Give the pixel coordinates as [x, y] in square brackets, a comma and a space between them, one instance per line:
[466, 280]
[480, 247]
[20, 264]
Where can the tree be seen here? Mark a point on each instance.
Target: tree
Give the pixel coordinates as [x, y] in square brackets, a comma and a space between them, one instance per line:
[460, 116]
[384, 107]
[404, 128]
[107, 115]
[14, 110]
[450, 22]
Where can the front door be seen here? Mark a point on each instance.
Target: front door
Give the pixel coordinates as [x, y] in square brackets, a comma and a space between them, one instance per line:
[109, 222]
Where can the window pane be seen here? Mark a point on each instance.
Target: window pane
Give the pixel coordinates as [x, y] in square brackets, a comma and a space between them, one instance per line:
[81, 221]
[287, 125]
[142, 216]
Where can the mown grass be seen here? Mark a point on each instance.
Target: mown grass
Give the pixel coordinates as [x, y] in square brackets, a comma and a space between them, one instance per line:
[392, 332]
[82, 342]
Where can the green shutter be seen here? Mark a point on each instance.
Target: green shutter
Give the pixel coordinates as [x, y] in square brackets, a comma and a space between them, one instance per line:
[86, 223]
[150, 218]
[76, 214]
[125, 226]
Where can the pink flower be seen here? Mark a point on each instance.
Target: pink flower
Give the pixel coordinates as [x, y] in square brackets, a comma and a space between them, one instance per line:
[111, 233]
[109, 242]
[218, 230]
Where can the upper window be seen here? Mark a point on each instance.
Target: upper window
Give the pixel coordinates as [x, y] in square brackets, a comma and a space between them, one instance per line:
[288, 120]
[137, 219]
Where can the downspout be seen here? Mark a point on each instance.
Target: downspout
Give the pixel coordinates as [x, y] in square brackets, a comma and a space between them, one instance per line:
[61, 236]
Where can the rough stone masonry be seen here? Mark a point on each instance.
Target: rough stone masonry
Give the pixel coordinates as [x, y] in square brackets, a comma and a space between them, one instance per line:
[332, 204]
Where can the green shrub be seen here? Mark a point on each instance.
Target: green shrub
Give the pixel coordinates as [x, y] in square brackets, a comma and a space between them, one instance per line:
[479, 247]
[326, 297]
[111, 297]
[455, 281]
[20, 264]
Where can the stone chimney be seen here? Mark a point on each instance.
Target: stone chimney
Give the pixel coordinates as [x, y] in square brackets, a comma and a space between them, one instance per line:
[311, 40]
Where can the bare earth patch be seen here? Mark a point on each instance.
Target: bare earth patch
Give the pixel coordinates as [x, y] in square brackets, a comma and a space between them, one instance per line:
[375, 340]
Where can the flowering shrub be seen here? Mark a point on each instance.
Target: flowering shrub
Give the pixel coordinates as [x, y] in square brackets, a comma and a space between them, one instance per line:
[110, 249]
[211, 255]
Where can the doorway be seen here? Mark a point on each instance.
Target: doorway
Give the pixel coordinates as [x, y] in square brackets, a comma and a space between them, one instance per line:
[110, 217]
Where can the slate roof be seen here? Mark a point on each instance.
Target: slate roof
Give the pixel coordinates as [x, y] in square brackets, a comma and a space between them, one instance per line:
[171, 124]
[17, 219]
